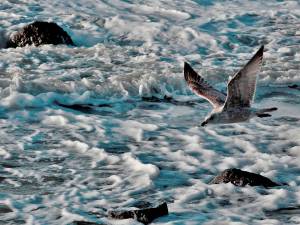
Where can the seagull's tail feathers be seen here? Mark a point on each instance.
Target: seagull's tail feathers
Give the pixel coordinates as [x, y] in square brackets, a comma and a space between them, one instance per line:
[263, 112]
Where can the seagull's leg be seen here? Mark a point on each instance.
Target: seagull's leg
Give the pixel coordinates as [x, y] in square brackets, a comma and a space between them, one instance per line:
[262, 112]
[261, 115]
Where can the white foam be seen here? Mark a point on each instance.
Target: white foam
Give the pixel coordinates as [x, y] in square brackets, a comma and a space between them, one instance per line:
[138, 139]
[76, 145]
[138, 166]
[134, 129]
[5, 154]
[55, 121]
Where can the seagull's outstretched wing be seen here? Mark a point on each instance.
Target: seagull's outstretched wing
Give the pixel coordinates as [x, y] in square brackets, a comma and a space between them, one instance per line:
[202, 88]
[241, 88]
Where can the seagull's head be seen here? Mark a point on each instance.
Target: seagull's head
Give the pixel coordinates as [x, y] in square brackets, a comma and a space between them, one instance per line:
[211, 119]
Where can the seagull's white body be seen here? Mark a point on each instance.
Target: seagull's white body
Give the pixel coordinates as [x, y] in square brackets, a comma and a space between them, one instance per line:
[236, 106]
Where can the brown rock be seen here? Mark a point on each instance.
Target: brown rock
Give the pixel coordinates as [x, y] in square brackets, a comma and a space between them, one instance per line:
[5, 209]
[39, 33]
[144, 216]
[242, 178]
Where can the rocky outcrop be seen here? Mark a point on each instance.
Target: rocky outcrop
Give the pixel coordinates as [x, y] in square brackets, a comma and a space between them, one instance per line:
[84, 223]
[294, 86]
[242, 178]
[144, 216]
[5, 209]
[39, 33]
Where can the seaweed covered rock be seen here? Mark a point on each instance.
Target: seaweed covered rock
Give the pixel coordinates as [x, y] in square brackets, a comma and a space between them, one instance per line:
[242, 178]
[144, 216]
[39, 33]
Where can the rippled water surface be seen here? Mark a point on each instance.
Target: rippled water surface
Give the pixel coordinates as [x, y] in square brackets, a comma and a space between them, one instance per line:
[133, 137]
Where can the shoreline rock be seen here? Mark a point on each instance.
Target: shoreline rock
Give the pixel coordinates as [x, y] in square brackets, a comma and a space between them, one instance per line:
[242, 178]
[39, 33]
[144, 216]
[294, 86]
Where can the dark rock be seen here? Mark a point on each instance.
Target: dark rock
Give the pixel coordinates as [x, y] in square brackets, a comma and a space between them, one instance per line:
[156, 99]
[2, 179]
[242, 178]
[5, 209]
[284, 215]
[85, 108]
[294, 86]
[84, 223]
[288, 210]
[39, 33]
[144, 216]
[9, 165]
[54, 179]
[168, 99]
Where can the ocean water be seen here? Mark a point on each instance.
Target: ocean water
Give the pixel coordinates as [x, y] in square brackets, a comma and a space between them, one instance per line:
[133, 137]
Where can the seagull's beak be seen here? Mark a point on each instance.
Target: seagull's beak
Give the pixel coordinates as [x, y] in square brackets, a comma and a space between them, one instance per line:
[203, 123]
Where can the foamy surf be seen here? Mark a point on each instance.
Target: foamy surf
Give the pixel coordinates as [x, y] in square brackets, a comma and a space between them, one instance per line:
[111, 123]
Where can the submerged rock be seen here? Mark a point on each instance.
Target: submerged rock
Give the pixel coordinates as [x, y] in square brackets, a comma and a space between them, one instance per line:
[85, 108]
[287, 210]
[5, 209]
[242, 178]
[2, 179]
[294, 86]
[3, 39]
[84, 223]
[39, 33]
[144, 216]
[288, 215]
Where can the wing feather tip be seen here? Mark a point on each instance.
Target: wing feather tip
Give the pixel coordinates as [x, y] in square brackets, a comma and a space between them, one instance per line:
[260, 51]
[188, 71]
[187, 67]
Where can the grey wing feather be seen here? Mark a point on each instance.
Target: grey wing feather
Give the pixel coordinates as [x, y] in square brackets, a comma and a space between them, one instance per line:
[241, 88]
[198, 85]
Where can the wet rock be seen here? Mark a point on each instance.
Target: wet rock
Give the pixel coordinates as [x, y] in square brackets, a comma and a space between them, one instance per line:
[39, 33]
[294, 86]
[2, 179]
[284, 215]
[242, 178]
[144, 216]
[85, 108]
[84, 223]
[54, 179]
[5, 209]
[9, 165]
[168, 99]
[288, 210]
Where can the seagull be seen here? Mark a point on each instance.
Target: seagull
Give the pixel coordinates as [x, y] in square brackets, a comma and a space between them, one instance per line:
[236, 106]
